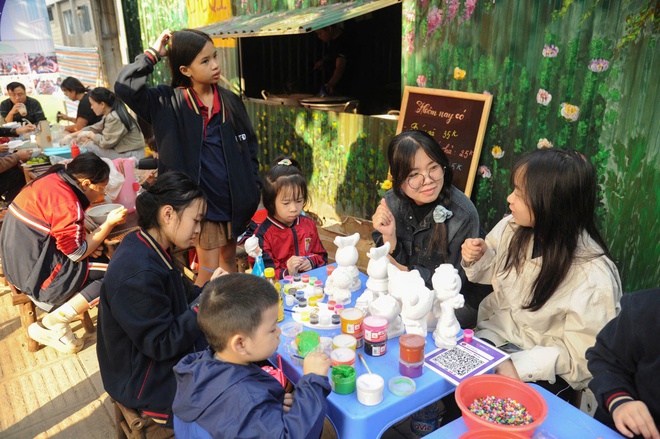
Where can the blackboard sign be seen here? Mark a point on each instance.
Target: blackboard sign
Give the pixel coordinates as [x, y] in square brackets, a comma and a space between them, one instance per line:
[457, 120]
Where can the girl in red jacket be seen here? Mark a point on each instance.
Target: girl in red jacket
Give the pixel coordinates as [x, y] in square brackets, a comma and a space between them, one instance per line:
[289, 240]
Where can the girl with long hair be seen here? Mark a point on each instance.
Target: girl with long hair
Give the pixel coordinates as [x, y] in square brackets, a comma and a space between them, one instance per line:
[117, 135]
[555, 284]
[203, 130]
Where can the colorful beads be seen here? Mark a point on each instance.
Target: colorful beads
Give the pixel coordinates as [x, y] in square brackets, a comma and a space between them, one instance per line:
[505, 411]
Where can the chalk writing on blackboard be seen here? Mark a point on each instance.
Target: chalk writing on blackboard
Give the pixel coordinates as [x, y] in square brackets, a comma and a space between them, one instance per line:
[457, 121]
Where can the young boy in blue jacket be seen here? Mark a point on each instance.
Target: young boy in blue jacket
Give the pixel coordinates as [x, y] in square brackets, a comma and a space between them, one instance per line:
[222, 393]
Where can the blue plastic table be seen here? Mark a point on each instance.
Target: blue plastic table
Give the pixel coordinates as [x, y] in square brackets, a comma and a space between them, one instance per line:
[351, 419]
[563, 422]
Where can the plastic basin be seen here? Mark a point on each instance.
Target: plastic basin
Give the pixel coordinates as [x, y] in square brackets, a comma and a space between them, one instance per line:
[500, 387]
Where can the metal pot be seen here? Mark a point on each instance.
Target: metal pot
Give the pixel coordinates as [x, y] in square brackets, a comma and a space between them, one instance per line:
[340, 104]
[292, 100]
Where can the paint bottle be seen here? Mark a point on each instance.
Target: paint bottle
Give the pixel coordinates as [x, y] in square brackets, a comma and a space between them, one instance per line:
[375, 329]
[411, 355]
[269, 273]
[370, 389]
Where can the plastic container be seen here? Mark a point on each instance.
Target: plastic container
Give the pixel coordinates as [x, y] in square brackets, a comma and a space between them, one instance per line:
[128, 192]
[375, 349]
[351, 321]
[341, 356]
[344, 341]
[426, 420]
[412, 370]
[401, 386]
[339, 308]
[343, 379]
[411, 348]
[304, 278]
[500, 387]
[375, 329]
[370, 389]
[269, 274]
[329, 269]
[291, 329]
[468, 335]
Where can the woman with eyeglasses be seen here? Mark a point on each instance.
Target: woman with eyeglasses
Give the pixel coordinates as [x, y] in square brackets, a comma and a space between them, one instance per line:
[53, 258]
[426, 219]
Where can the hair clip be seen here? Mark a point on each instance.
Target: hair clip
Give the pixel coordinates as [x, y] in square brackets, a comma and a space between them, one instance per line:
[285, 162]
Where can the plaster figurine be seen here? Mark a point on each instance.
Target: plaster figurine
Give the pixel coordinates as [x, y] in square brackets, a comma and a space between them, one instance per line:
[390, 308]
[346, 275]
[416, 300]
[447, 286]
[252, 249]
[377, 271]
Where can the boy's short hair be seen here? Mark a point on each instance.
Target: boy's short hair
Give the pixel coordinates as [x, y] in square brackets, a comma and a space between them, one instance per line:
[233, 304]
[14, 85]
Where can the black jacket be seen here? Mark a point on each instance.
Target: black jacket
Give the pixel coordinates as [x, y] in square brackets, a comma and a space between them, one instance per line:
[179, 134]
[145, 324]
[625, 362]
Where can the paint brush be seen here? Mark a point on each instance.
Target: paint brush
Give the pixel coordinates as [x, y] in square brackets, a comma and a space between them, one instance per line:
[365, 363]
[207, 269]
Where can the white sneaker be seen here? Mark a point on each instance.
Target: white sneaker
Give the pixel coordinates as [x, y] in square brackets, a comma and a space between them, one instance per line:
[55, 339]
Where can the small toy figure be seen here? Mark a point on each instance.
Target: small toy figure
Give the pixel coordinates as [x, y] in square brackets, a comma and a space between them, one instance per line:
[447, 287]
[346, 276]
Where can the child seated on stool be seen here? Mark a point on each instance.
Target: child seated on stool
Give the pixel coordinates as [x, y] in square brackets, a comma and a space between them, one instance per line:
[222, 393]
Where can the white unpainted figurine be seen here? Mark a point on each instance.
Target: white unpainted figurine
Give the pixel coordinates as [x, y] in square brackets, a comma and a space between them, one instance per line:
[390, 308]
[447, 286]
[252, 246]
[346, 257]
[338, 286]
[377, 271]
[416, 300]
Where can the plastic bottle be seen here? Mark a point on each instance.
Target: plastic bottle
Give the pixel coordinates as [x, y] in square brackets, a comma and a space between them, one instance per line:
[269, 273]
[75, 150]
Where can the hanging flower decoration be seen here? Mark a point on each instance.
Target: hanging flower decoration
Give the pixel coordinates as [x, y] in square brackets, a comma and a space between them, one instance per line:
[497, 152]
[484, 171]
[543, 97]
[550, 51]
[544, 143]
[570, 112]
[441, 214]
[459, 74]
[452, 9]
[599, 65]
[421, 81]
[409, 41]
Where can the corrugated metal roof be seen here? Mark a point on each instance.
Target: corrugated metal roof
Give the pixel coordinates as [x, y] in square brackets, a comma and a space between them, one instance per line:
[297, 21]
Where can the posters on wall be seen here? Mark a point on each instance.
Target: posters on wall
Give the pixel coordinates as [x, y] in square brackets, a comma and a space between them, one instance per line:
[27, 52]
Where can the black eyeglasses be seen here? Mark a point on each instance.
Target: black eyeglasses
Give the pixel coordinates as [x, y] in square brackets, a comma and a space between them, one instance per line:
[436, 173]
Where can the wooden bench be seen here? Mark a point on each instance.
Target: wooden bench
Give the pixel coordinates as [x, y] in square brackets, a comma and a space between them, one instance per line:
[28, 313]
[130, 424]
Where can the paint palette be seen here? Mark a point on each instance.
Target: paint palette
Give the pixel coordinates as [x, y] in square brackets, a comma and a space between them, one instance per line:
[323, 312]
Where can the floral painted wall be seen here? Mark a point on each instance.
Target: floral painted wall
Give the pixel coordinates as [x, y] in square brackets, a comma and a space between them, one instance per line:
[570, 74]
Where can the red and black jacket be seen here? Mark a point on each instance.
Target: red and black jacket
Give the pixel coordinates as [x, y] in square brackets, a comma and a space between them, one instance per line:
[280, 242]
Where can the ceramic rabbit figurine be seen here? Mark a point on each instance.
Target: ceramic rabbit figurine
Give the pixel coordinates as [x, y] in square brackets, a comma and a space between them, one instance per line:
[346, 257]
[377, 269]
[416, 300]
[447, 286]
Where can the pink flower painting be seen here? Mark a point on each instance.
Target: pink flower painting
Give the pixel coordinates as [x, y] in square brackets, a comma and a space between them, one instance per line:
[543, 97]
[484, 171]
[599, 65]
[434, 21]
[570, 112]
[550, 51]
[421, 81]
[452, 9]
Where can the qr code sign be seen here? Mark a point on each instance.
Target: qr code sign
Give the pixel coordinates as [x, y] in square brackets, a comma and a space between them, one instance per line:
[459, 361]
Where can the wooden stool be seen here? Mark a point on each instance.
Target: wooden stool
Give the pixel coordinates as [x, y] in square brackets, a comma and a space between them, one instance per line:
[130, 424]
[28, 313]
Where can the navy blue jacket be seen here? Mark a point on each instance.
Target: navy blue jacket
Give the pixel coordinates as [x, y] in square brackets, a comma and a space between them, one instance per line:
[179, 130]
[625, 362]
[215, 399]
[145, 325]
